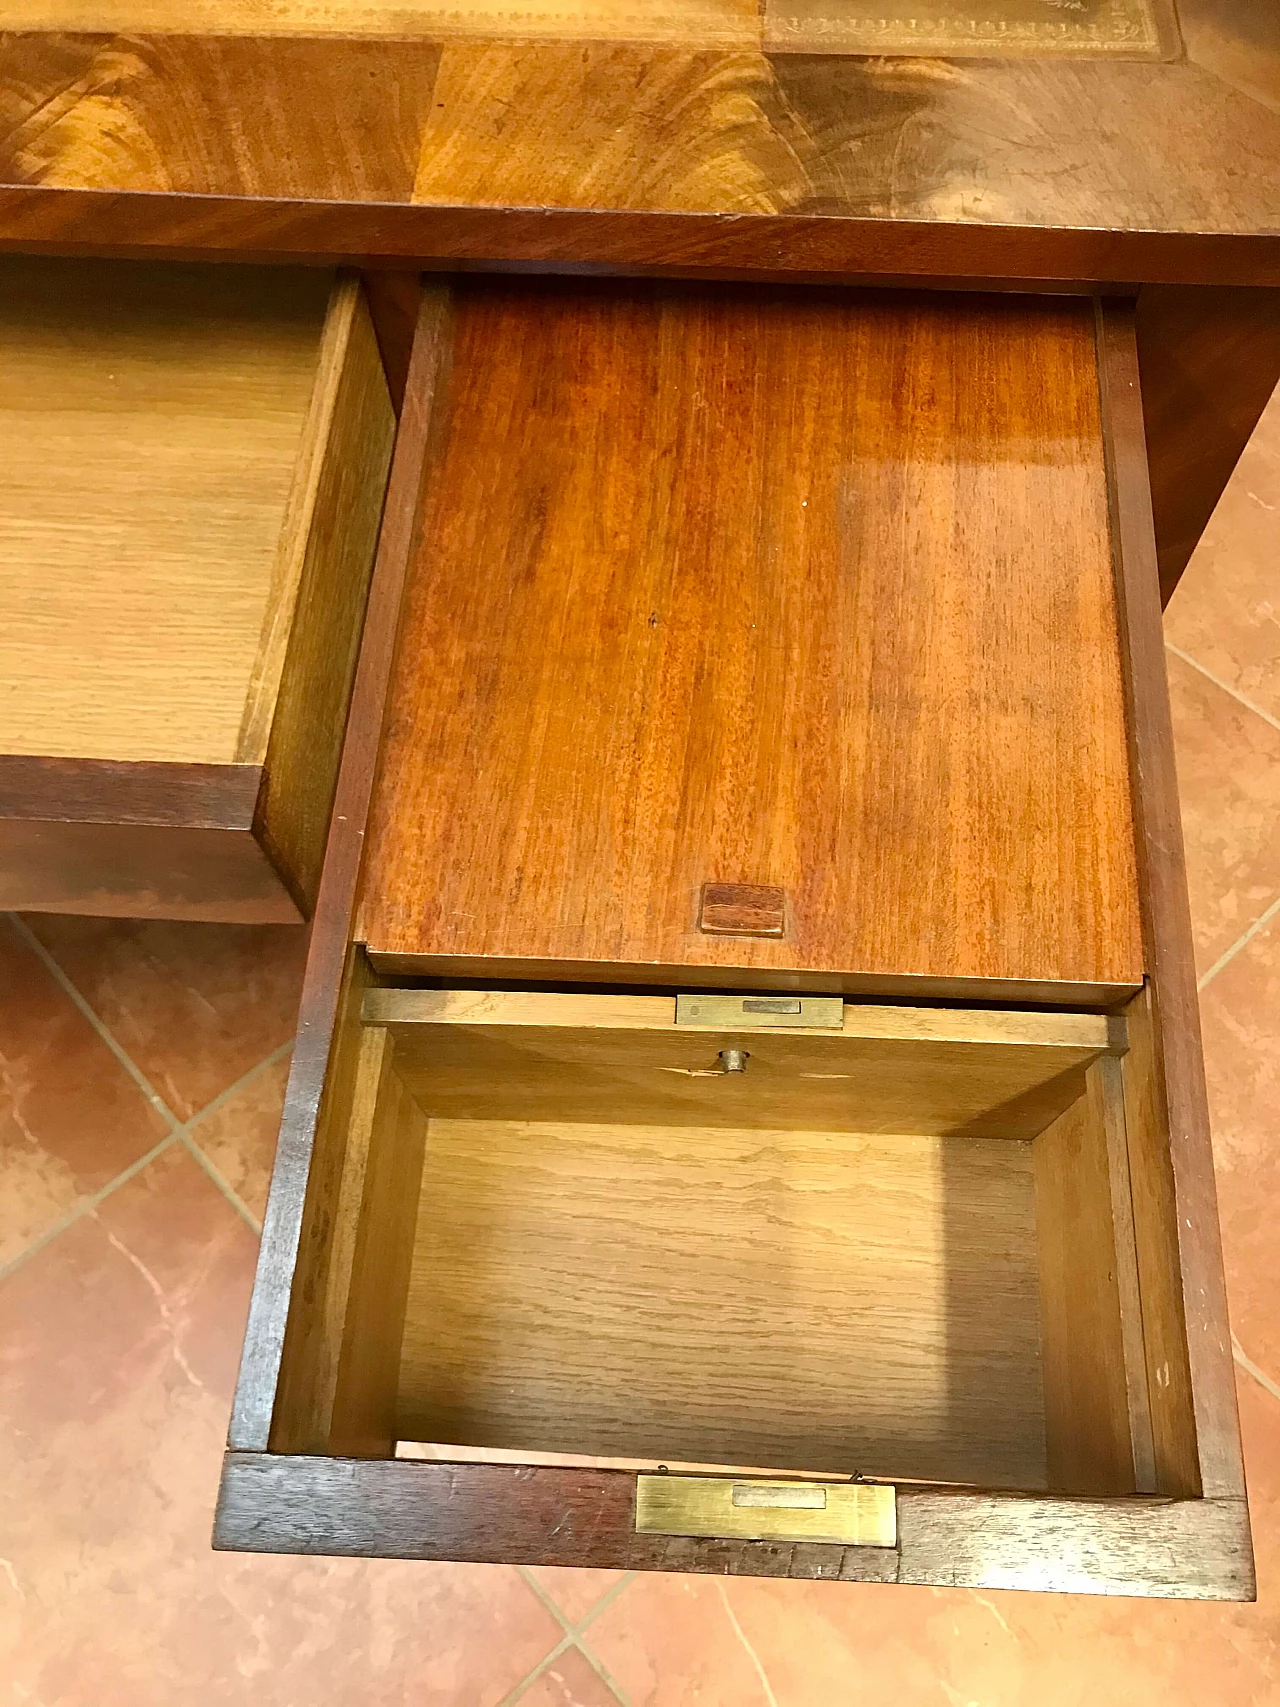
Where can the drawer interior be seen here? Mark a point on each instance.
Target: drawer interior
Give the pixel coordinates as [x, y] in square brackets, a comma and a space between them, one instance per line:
[154, 422]
[902, 1247]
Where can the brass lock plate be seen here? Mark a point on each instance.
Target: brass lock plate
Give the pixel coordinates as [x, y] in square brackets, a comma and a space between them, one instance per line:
[855, 1514]
[761, 1013]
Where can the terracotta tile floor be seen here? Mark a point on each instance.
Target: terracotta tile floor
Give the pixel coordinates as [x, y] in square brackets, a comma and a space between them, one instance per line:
[141, 1072]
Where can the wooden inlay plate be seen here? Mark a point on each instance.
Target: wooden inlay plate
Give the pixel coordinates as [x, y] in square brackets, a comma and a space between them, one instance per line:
[742, 909]
[812, 591]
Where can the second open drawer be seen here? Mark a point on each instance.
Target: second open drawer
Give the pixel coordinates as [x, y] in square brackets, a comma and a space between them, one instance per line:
[194, 462]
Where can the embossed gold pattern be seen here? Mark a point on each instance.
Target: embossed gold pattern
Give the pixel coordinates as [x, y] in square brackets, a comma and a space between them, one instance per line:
[991, 28]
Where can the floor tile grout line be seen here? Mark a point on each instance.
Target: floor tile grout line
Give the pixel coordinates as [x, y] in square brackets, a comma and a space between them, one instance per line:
[237, 1085]
[187, 1135]
[88, 1205]
[1218, 682]
[1266, 717]
[575, 1629]
[530, 1678]
[180, 1129]
[1265, 1381]
[602, 1672]
[606, 1600]
[1243, 941]
[531, 1582]
[28, 936]
[747, 1645]
[228, 1191]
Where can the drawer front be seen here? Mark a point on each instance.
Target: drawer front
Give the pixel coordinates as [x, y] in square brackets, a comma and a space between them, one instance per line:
[526, 1246]
[195, 461]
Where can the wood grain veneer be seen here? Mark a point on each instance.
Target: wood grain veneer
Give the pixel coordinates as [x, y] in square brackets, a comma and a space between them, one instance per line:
[845, 1198]
[629, 154]
[295, 714]
[135, 839]
[1097, 1426]
[761, 589]
[594, 1195]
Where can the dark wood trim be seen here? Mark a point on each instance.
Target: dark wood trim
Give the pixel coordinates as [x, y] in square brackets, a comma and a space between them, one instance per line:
[1166, 913]
[328, 959]
[134, 839]
[35, 218]
[401, 1509]
[425, 265]
[1209, 360]
[394, 299]
[1170, 1549]
[140, 871]
[120, 791]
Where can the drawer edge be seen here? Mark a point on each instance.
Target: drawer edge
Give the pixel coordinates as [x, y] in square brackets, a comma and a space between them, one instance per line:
[133, 839]
[891, 986]
[502, 1513]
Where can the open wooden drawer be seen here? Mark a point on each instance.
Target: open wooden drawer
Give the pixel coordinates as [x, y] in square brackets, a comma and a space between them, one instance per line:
[765, 1276]
[194, 464]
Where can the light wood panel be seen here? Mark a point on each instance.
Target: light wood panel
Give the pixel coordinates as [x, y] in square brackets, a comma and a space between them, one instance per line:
[1155, 1220]
[151, 420]
[819, 1300]
[760, 588]
[1078, 1035]
[390, 1131]
[311, 1282]
[1097, 1423]
[295, 715]
[195, 462]
[888, 1070]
